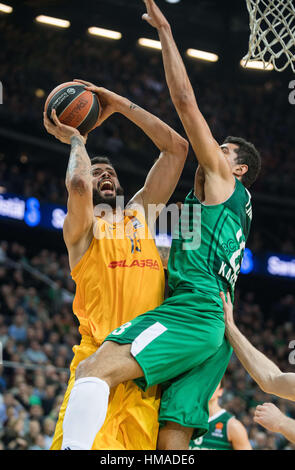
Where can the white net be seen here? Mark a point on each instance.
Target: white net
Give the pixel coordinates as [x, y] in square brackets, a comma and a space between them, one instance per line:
[272, 33]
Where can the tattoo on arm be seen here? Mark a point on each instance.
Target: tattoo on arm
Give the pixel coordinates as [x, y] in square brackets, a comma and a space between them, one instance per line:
[79, 164]
[133, 106]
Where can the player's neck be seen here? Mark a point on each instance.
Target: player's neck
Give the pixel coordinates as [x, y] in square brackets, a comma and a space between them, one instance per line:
[214, 408]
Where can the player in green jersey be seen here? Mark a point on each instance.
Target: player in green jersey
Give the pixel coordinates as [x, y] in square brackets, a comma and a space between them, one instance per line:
[181, 344]
[225, 431]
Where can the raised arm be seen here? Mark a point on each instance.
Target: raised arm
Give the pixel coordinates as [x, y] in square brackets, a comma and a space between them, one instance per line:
[165, 173]
[208, 152]
[267, 375]
[79, 220]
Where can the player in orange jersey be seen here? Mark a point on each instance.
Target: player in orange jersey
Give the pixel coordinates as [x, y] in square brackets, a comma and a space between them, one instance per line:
[114, 260]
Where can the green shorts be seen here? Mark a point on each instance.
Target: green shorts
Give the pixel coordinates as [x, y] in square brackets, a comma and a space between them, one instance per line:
[180, 345]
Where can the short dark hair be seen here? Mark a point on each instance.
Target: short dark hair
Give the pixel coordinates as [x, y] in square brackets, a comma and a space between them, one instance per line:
[246, 154]
[101, 159]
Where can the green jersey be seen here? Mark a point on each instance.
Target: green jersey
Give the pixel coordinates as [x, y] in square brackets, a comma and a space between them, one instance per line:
[209, 242]
[216, 437]
[181, 343]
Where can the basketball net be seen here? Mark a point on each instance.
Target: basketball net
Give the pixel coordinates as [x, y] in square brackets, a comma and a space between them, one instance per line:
[272, 33]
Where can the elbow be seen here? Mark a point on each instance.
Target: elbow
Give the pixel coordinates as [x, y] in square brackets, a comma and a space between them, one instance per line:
[265, 387]
[178, 147]
[183, 99]
[183, 146]
[267, 384]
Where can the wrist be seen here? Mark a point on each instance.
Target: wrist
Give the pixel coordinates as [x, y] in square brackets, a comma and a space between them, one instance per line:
[76, 135]
[114, 102]
[281, 423]
[230, 326]
[165, 28]
[126, 106]
[123, 105]
[232, 333]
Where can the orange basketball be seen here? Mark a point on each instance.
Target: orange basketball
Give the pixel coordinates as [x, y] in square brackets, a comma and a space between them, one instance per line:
[74, 106]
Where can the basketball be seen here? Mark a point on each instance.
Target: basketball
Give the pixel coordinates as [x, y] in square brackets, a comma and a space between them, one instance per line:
[74, 106]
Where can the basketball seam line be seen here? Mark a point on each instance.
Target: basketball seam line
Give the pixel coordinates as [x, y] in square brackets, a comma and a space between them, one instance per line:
[90, 109]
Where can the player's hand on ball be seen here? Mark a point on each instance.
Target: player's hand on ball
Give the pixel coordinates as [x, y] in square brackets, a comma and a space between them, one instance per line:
[227, 308]
[60, 131]
[269, 416]
[109, 101]
[154, 16]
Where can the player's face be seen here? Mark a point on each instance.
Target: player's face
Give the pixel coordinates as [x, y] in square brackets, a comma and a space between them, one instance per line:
[230, 153]
[105, 183]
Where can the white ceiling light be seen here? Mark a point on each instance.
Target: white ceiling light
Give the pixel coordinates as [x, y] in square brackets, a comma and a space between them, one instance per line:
[105, 33]
[53, 21]
[145, 42]
[202, 55]
[5, 8]
[256, 64]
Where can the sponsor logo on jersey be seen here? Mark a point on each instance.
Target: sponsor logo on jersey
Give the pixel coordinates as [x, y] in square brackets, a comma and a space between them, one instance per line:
[142, 263]
[135, 243]
[132, 235]
[231, 273]
[219, 426]
[230, 246]
[136, 223]
[218, 432]
[227, 273]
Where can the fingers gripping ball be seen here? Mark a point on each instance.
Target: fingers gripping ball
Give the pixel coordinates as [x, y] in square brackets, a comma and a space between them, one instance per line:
[75, 106]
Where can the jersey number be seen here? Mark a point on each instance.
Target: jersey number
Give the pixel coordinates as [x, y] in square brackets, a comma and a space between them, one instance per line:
[122, 328]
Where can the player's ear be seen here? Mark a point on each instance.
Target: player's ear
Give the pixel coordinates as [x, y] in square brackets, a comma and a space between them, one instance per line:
[240, 169]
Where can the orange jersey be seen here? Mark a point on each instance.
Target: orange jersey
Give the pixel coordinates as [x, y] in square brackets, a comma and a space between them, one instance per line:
[119, 277]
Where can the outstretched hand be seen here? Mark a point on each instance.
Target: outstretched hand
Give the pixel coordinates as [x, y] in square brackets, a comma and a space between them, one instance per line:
[269, 416]
[108, 100]
[227, 308]
[154, 16]
[60, 131]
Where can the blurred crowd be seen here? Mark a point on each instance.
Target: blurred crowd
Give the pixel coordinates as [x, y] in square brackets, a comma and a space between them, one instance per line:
[259, 112]
[38, 331]
[37, 327]
[28, 181]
